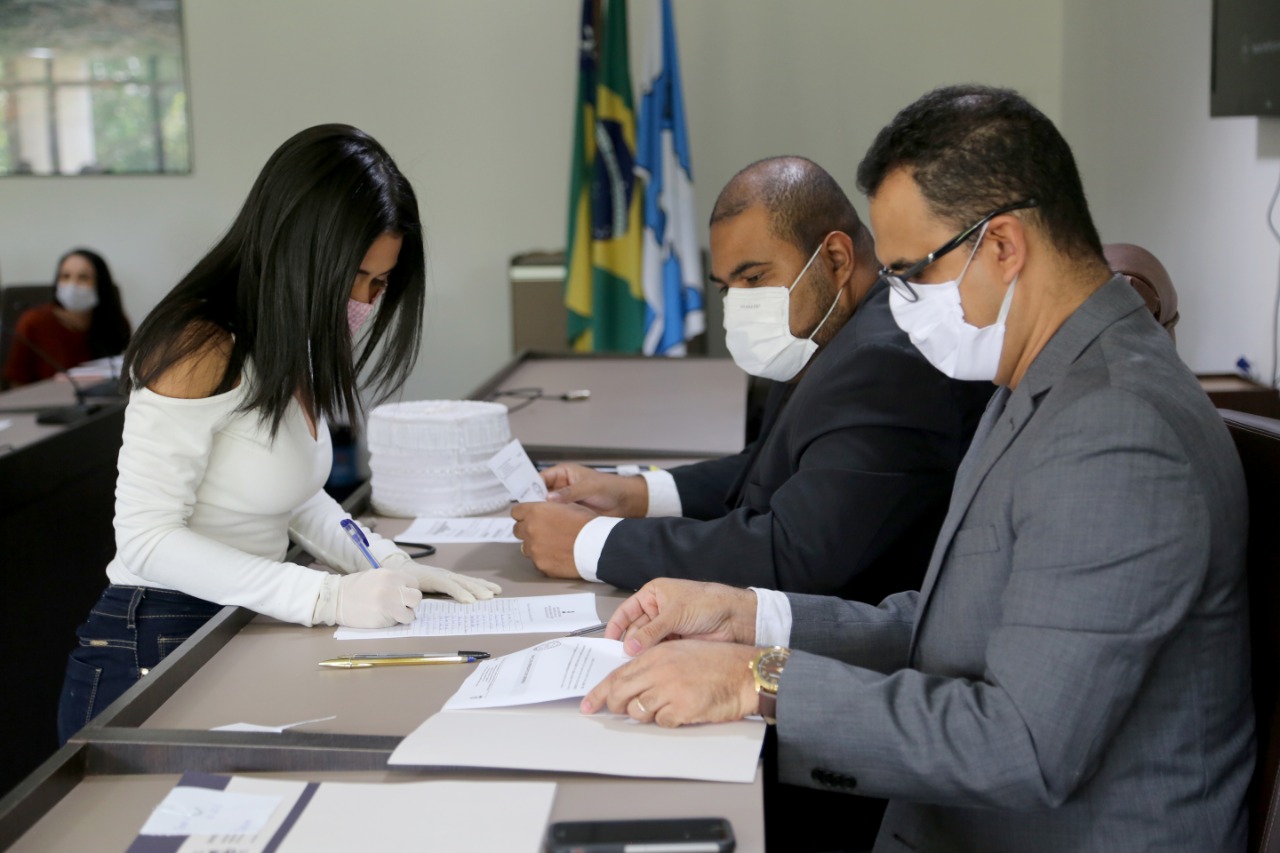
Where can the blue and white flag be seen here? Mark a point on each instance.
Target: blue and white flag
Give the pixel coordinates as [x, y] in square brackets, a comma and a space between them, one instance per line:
[672, 264]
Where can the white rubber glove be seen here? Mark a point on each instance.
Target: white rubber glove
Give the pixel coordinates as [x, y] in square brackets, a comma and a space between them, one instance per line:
[435, 579]
[377, 598]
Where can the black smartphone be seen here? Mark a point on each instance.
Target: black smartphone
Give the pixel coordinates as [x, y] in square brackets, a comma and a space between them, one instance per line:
[666, 835]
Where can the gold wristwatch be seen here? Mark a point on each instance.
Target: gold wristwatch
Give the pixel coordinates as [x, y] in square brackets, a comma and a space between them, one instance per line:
[766, 669]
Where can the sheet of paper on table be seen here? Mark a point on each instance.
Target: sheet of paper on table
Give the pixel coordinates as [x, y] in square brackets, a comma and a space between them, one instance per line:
[434, 531]
[557, 669]
[205, 813]
[481, 726]
[534, 614]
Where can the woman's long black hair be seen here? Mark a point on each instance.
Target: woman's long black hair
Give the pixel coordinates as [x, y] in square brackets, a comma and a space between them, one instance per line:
[108, 327]
[280, 278]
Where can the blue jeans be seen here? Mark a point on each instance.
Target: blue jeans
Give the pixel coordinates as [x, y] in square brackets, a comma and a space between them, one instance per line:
[128, 632]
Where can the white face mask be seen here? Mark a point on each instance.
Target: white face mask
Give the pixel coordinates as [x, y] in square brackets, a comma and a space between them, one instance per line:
[757, 325]
[73, 297]
[936, 325]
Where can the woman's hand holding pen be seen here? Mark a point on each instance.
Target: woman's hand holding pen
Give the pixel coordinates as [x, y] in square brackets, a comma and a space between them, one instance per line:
[670, 609]
[375, 599]
[607, 494]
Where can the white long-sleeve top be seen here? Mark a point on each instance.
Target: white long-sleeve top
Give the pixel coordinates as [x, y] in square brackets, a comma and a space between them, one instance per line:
[206, 501]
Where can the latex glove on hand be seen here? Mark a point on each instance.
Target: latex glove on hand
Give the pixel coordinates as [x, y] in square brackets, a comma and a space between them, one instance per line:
[462, 588]
[377, 598]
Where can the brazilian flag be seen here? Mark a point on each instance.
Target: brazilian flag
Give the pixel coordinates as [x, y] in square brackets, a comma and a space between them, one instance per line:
[603, 290]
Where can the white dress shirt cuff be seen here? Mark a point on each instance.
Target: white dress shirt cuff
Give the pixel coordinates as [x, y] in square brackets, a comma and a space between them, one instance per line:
[589, 545]
[773, 617]
[664, 497]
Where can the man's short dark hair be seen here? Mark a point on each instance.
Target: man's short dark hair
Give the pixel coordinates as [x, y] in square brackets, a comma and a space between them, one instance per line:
[972, 149]
[804, 202]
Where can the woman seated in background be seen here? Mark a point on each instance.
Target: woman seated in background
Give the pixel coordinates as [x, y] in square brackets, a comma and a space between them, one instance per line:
[83, 321]
[319, 282]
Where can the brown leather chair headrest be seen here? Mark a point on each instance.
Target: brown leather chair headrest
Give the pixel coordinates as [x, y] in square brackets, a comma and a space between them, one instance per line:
[1149, 277]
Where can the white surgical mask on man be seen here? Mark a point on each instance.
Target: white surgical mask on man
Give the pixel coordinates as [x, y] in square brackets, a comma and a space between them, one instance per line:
[757, 325]
[936, 325]
[73, 297]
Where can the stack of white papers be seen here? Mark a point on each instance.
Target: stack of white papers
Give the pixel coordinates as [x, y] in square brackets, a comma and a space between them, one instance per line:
[490, 722]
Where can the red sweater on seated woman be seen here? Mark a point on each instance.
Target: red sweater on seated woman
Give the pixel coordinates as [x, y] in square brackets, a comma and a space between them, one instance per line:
[83, 321]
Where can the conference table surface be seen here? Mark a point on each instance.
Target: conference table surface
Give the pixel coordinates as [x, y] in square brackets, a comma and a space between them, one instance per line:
[22, 429]
[267, 673]
[113, 774]
[677, 407]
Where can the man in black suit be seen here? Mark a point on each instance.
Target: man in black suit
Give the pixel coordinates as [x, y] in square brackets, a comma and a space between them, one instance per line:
[845, 488]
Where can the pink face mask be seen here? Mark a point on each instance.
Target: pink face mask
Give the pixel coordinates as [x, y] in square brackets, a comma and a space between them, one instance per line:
[358, 313]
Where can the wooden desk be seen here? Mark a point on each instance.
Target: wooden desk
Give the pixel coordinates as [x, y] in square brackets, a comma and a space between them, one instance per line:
[57, 495]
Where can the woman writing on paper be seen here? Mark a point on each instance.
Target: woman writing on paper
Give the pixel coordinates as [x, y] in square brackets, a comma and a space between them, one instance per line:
[83, 320]
[319, 280]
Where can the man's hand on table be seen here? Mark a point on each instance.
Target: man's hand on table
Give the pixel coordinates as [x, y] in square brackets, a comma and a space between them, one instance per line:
[547, 532]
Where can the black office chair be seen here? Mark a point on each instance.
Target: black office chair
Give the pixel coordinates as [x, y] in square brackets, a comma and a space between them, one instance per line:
[14, 300]
[1258, 443]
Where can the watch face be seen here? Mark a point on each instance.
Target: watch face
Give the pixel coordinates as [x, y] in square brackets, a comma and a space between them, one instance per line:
[769, 668]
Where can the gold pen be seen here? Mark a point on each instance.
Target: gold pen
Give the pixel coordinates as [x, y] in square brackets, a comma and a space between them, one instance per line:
[364, 661]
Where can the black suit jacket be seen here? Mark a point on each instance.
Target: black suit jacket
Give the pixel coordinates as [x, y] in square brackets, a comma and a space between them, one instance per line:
[845, 489]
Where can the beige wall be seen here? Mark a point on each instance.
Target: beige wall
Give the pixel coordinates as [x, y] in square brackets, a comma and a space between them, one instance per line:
[474, 99]
[1162, 174]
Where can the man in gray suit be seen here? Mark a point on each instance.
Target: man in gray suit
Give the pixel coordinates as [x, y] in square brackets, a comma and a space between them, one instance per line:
[1074, 673]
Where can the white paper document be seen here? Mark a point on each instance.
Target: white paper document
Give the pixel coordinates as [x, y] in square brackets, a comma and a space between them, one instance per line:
[433, 531]
[557, 669]
[205, 811]
[454, 816]
[556, 736]
[492, 722]
[108, 367]
[535, 614]
[515, 469]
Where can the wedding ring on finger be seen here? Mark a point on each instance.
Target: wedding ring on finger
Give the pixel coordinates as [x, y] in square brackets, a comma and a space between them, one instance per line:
[643, 711]
[522, 551]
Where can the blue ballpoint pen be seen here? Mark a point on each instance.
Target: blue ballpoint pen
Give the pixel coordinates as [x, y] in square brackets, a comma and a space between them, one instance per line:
[362, 542]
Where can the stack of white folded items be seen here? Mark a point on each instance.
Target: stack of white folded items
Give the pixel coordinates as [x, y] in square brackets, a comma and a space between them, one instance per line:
[430, 457]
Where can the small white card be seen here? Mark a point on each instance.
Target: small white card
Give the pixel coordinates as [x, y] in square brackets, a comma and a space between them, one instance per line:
[558, 669]
[515, 469]
[205, 811]
[256, 727]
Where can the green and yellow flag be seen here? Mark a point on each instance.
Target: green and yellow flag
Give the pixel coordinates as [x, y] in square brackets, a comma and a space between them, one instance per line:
[603, 290]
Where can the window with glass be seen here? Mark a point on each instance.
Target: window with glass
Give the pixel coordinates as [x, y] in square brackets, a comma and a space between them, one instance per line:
[93, 87]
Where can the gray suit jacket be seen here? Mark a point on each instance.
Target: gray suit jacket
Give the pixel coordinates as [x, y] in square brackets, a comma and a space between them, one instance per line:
[1074, 673]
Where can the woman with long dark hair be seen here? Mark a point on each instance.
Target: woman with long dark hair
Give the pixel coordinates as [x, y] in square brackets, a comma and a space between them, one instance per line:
[320, 280]
[82, 320]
